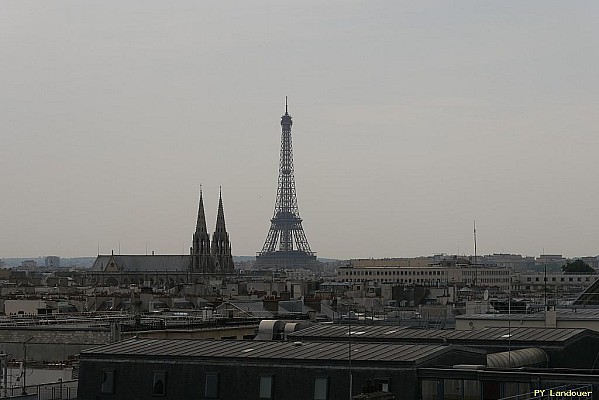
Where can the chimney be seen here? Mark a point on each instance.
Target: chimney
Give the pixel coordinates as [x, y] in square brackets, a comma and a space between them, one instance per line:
[550, 317]
[270, 304]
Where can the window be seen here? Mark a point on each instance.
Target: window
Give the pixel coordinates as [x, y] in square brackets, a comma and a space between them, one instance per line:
[266, 382]
[159, 386]
[211, 387]
[107, 382]
[382, 384]
[321, 388]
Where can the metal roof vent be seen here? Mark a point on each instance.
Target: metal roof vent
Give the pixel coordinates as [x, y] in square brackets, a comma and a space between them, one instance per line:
[468, 366]
[353, 333]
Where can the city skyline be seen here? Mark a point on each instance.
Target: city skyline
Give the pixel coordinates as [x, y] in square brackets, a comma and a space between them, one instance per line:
[411, 121]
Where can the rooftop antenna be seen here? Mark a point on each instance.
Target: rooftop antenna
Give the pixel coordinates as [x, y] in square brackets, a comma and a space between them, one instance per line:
[349, 332]
[285, 105]
[545, 281]
[475, 265]
[509, 323]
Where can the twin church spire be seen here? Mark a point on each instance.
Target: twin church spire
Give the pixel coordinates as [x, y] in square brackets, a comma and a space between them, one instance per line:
[212, 257]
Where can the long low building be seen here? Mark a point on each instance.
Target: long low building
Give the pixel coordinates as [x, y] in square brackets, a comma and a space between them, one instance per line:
[565, 348]
[554, 282]
[421, 273]
[237, 370]
[560, 318]
[60, 339]
[227, 370]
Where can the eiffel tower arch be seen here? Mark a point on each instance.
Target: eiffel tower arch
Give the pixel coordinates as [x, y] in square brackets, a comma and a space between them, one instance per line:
[286, 245]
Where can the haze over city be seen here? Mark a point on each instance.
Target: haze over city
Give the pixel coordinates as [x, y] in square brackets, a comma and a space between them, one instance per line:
[410, 121]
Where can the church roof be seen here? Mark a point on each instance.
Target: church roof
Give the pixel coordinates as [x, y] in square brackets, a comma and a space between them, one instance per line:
[140, 263]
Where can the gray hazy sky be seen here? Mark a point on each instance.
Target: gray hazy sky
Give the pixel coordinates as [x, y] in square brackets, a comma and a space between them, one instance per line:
[411, 120]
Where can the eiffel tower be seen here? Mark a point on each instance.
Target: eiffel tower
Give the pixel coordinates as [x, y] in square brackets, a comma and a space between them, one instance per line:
[286, 244]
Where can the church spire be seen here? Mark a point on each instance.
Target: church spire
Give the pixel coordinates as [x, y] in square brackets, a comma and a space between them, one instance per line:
[221, 247]
[201, 224]
[220, 216]
[200, 250]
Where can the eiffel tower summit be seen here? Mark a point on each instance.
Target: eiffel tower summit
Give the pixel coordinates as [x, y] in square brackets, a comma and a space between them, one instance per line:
[286, 245]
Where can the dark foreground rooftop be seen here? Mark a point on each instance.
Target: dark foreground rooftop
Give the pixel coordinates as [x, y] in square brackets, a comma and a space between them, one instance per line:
[238, 370]
[390, 334]
[247, 350]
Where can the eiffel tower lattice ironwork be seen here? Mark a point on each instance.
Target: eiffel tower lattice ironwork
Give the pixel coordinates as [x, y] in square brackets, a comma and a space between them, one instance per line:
[286, 244]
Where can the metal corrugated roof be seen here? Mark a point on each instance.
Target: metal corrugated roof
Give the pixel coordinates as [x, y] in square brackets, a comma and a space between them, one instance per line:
[255, 308]
[141, 263]
[307, 351]
[293, 306]
[391, 334]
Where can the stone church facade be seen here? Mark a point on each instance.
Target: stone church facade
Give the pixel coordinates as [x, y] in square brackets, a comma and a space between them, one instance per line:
[207, 259]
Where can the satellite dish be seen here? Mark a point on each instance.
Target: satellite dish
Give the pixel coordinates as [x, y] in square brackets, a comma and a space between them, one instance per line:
[486, 294]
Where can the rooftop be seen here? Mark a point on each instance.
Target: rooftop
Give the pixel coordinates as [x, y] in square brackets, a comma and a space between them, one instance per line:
[562, 313]
[365, 333]
[407, 354]
[141, 263]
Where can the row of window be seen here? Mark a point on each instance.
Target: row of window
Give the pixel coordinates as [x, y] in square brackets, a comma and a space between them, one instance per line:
[392, 273]
[485, 272]
[562, 279]
[212, 383]
[429, 273]
[429, 281]
[493, 280]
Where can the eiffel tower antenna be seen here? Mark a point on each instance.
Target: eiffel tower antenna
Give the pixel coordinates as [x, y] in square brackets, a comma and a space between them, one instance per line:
[286, 244]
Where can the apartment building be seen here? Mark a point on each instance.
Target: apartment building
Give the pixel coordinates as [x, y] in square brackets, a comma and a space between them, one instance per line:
[556, 281]
[424, 271]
